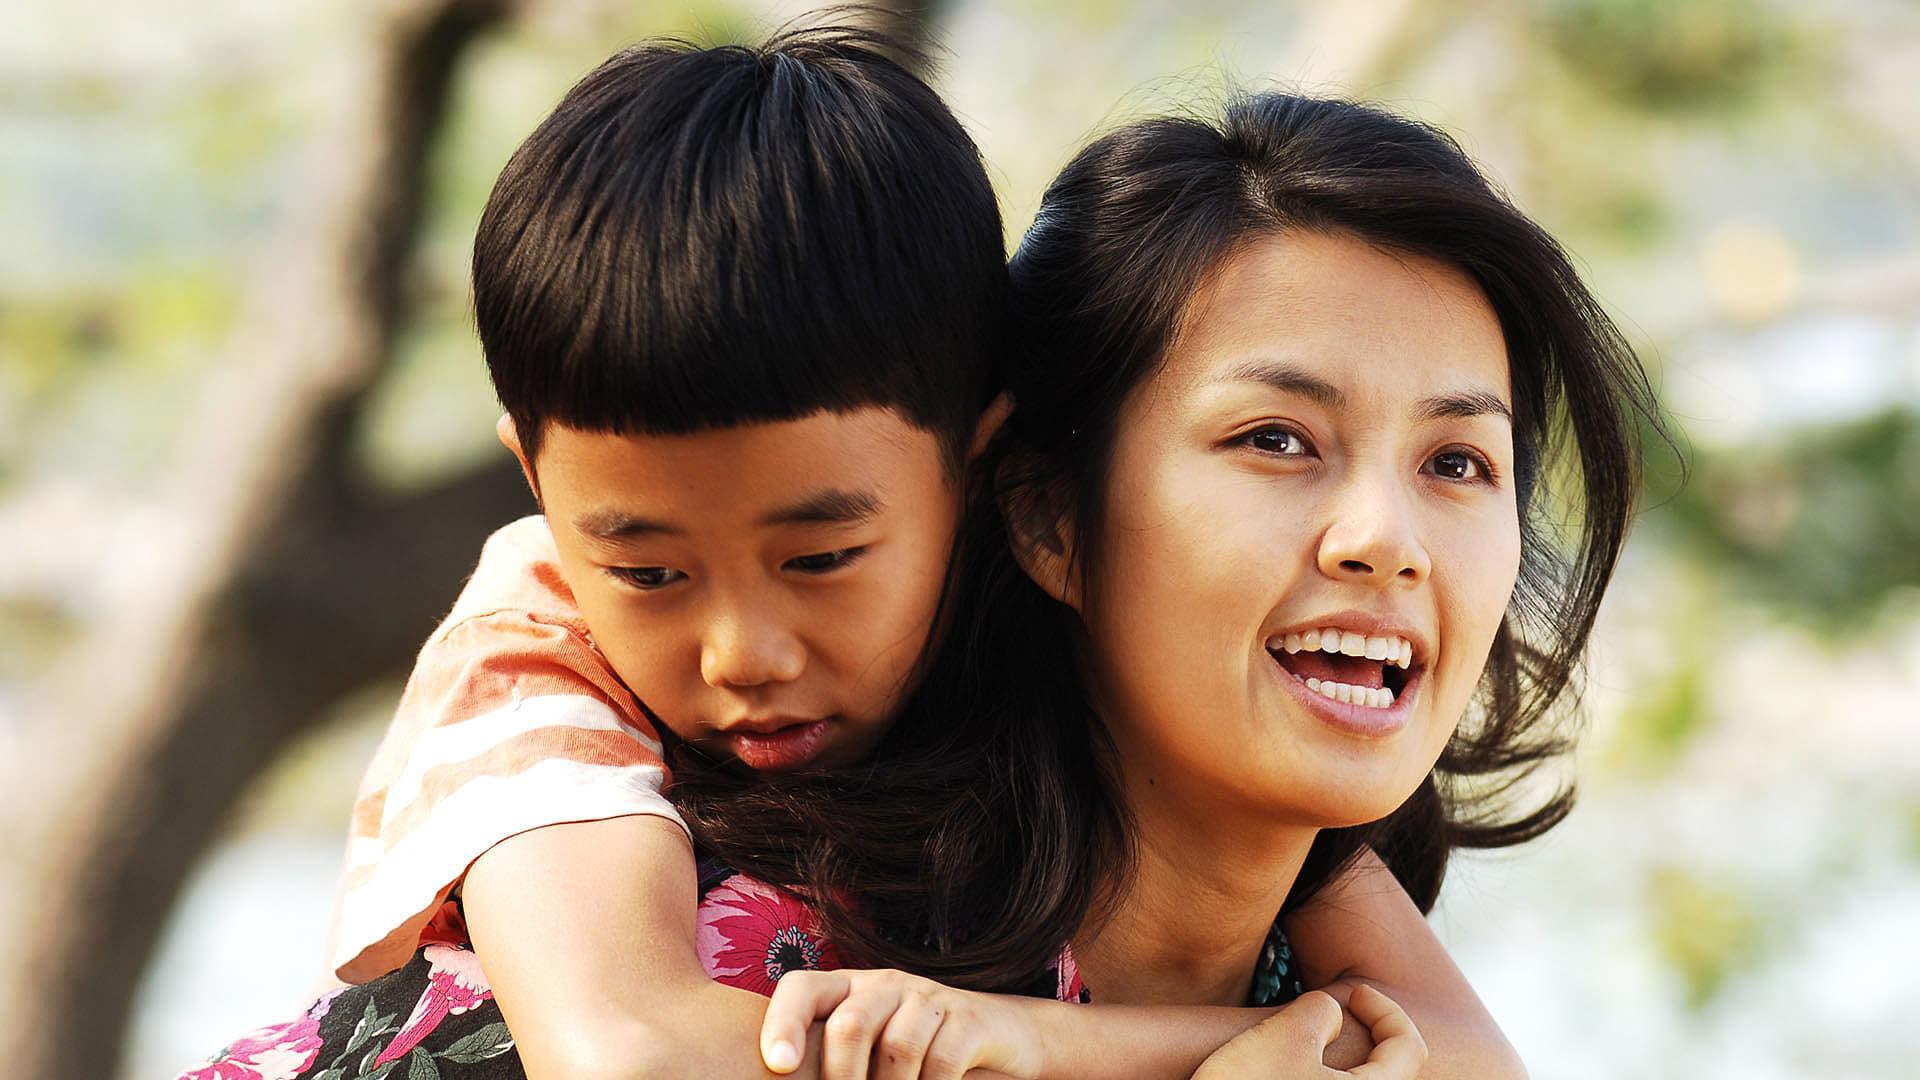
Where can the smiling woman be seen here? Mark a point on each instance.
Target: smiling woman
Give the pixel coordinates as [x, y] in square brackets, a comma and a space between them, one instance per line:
[1284, 383]
[1263, 539]
[1292, 469]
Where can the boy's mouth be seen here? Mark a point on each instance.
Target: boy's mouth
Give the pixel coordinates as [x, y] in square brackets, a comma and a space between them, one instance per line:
[778, 748]
[1345, 666]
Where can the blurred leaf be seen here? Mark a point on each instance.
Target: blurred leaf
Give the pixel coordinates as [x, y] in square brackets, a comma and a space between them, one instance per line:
[1659, 725]
[230, 127]
[1701, 55]
[1704, 930]
[1822, 523]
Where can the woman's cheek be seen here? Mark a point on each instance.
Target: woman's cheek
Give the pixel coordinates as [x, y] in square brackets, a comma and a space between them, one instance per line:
[1481, 569]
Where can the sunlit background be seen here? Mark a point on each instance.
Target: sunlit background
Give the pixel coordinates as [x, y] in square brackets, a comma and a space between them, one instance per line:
[1738, 894]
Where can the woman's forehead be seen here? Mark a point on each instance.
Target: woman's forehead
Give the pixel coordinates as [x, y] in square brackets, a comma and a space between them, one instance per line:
[1335, 318]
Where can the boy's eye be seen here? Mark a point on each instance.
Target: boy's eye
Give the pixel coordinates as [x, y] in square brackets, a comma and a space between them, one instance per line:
[1459, 465]
[647, 577]
[1283, 442]
[826, 561]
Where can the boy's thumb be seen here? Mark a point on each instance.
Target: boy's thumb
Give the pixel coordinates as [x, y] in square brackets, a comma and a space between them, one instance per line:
[1319, 1015]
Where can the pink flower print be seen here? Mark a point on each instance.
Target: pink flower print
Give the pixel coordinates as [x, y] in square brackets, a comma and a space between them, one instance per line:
[1071, 986]
[455, 984]
[749, 934]
[280, 1052]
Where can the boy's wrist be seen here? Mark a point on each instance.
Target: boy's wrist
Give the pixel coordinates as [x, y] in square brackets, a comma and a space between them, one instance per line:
[1046, 1032]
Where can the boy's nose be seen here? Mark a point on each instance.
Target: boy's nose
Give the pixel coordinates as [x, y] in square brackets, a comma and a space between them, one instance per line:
[740, 653]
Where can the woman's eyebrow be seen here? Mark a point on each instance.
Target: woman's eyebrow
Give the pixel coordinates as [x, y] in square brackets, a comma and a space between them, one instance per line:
[1288, 379]
[1462, 405]
[832, 506]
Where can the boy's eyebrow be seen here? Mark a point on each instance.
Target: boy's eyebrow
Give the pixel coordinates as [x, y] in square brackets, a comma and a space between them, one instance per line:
[617, 525]
[831, 506]
[1288, 379]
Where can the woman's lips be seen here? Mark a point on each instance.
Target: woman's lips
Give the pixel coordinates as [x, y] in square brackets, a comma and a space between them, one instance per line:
[781, 749]
[1362, 720]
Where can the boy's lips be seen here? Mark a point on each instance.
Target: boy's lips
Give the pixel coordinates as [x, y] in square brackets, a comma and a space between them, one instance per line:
[777, 745]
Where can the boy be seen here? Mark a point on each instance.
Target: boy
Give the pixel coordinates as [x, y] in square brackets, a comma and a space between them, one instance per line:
[741, 307]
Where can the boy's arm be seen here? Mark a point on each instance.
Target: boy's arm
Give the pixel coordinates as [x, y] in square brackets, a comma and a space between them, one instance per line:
[586, 932]
[1364, 929]
[935, 1032]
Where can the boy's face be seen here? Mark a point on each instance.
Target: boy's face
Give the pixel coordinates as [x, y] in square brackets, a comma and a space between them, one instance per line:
[765, 589]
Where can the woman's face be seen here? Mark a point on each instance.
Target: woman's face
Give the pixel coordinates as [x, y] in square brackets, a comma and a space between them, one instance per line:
[1328, 448]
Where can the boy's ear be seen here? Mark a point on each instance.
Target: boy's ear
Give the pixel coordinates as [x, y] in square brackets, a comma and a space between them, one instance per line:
[992, 419]
[1040, 528]
[510, 438]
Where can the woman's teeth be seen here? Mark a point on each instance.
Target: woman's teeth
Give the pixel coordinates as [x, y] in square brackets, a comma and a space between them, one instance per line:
[1397, 651]
[1372, 697]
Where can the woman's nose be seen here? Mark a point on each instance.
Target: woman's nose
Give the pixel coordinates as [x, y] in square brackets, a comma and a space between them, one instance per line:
[1373, 538]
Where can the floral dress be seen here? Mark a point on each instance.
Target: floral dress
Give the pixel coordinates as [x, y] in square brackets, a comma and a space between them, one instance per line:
[436, 1017]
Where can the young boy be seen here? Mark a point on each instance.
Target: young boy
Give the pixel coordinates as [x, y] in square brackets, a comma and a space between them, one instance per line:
[741, 307]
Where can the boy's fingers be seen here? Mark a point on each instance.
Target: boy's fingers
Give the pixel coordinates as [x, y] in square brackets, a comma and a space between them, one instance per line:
[1382, 1015]
[1320, 1015]
[853, 1031]
[1398, 1051]
[952, 1054]
[901, 1050]
[1288, 1043]
[800, 998]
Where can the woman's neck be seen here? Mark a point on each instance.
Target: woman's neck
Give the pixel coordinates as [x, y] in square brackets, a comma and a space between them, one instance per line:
[1188, 927]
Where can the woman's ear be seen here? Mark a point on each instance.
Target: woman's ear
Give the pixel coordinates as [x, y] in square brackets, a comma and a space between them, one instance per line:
[510, 438]
[1041, 530]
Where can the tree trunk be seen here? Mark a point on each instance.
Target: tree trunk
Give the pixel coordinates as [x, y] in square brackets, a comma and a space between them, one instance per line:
[293, 588]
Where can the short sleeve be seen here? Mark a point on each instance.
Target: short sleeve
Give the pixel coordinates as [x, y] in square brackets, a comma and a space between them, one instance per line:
[509, 722]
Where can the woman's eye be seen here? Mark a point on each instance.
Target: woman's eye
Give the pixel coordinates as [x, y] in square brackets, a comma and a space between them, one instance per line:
[1278, 441]
[826, 561]
[647, 577]
[1458, 465]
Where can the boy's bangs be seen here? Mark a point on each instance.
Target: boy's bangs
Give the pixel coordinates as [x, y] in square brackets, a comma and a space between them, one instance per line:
[774, 326]
[704, 238]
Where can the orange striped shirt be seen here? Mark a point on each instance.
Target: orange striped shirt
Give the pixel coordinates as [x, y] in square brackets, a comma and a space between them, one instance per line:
[511, 720]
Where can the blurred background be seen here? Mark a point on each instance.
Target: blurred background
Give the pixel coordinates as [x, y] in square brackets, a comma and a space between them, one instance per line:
[246, 456]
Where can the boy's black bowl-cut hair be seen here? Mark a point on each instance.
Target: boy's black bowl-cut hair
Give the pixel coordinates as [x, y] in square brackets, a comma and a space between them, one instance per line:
[701, 237]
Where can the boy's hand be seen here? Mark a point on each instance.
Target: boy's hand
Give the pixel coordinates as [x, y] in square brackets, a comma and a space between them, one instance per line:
[1288, 1045]
[894, 1026]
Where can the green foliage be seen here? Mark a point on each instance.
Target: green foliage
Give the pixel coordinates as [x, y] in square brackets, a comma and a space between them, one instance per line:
[1697, 56]
[1660, 723]
[230, 129]
[41, 337]
[1824, 524]
[1704, 930]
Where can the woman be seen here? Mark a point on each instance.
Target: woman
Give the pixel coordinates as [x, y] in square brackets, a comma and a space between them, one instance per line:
[1284, 389]
[1284, 378]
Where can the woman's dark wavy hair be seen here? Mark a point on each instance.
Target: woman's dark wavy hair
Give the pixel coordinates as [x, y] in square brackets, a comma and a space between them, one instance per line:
[987, 829]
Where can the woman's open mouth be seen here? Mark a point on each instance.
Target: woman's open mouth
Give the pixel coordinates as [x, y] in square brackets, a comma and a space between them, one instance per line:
[1370, 676]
